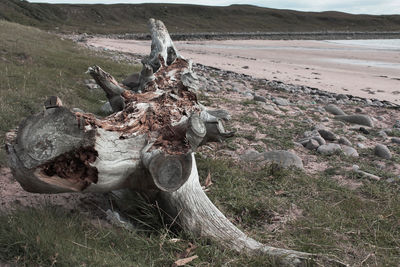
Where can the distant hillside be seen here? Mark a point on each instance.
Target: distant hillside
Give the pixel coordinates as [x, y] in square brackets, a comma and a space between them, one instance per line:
[122, 18]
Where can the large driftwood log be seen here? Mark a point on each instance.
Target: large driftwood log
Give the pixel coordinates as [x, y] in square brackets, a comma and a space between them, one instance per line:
[147, 144]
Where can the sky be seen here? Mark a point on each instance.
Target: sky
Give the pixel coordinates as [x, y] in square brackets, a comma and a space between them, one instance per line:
[377, 7]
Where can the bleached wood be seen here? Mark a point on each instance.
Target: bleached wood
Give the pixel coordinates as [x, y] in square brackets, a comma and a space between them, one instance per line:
[198, 215]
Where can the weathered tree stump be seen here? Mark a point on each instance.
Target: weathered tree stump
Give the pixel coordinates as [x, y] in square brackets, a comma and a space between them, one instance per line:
[147, 145]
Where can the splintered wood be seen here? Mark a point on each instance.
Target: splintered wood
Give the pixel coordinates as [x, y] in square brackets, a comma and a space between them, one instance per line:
[154, 112]
[74, 167]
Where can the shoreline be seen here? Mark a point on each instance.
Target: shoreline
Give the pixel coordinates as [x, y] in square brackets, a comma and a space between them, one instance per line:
[317, 94]
[370, 74]
[322, 35]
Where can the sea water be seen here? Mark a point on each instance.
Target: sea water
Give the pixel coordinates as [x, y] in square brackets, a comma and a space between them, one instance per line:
[384, 44]
[371, 44]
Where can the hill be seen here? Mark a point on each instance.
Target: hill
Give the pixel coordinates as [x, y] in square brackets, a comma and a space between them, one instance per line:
[132, 18]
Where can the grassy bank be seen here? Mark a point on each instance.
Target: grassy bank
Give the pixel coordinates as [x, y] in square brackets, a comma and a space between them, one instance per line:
[285, 208]
[122, 18]
[35, 65]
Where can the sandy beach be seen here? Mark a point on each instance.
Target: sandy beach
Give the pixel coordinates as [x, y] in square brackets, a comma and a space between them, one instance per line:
[360, 70]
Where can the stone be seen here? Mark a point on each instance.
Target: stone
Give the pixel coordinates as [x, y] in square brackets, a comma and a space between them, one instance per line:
[359, 110]
[361, 137]
[342, 97]
[360, 145]
[92, 86]
[396, 140]
[250, 155]
[335, 110]
[319, 139]
[339, 124]
[380, 118]
[356, 119]
[349, 151]
[281, 101]
[106, 108]
[78, 110]
[327, 134]
[383, 134]
[363, 130]
[269, 108]
[132, 81]
[397, 124]
[220, 113]
[283, 158]
[382, 151]
[309, 134]
[312, 144]
[329, 149]
[259, 98]
[90, 81]
[344, 141]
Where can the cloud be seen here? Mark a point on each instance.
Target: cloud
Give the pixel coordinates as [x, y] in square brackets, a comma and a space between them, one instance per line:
[349, 6]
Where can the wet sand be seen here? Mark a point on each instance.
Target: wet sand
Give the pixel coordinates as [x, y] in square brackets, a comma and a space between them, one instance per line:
[350, 69]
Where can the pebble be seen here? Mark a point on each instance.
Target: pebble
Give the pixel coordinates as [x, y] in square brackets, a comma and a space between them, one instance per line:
[383, 134]
[312, 144]
[361, 137]
[329, 149]
[327, 134]
[362, 146]
[281, 101]
[106, 108]
[382, 151]
[363, 130]
[396, 140]
[259, 98]
[349, 151]
[91, 86]
[78, 110]
[356, 119]
[269, 108]
[342, 97]
[335, 110]
[344, 141]
[320, 140]
[283, 158]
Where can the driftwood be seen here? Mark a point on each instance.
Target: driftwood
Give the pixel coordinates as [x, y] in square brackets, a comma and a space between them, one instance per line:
[146, 145]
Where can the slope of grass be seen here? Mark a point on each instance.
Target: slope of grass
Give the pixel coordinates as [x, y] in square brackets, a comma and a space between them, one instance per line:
[310, 213]
[49, 236]
[284, 208]
[35, 65]
[120, 18]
